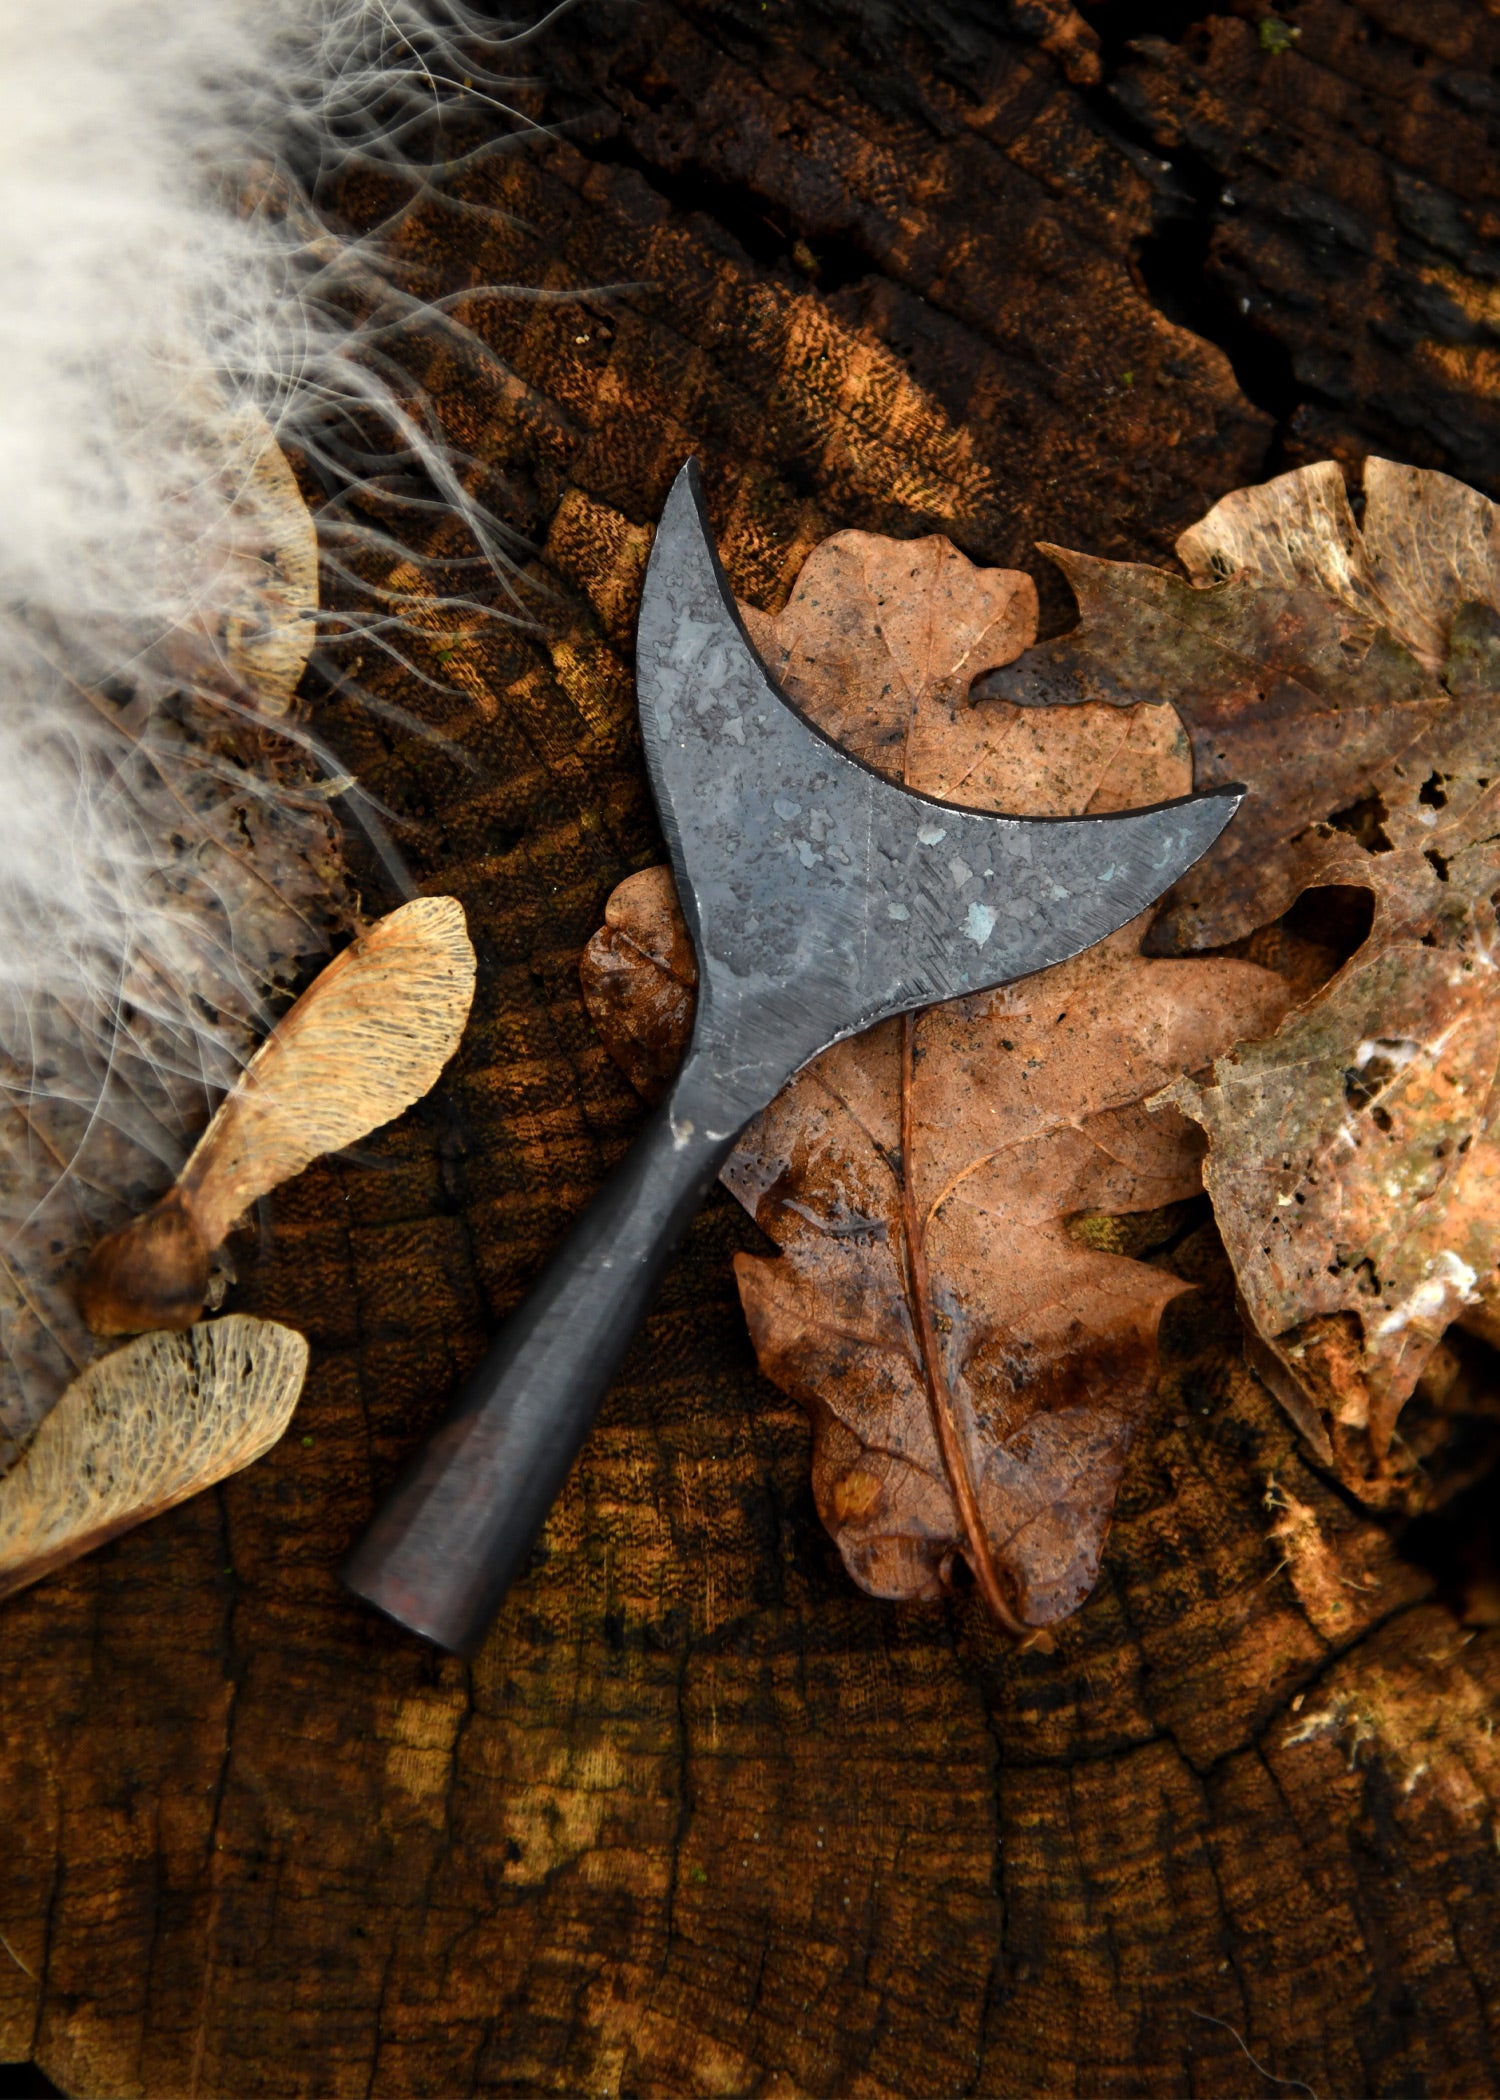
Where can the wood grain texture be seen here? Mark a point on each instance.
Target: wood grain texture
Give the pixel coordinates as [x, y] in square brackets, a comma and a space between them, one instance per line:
[701, 1819]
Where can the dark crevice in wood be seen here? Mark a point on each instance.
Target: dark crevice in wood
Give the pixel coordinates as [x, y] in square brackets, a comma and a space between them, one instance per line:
[1458, 1541]
[1174, 262]
[1289, 354]
[26, 2082]
[764, 231]
[1120, 23]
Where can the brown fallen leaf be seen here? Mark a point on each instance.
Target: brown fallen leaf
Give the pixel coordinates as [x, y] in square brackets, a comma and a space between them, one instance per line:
[640, 980]
[142, 1429]
[1354, 1176]
[973, 1371]
[1308, 656]
[367, 1038]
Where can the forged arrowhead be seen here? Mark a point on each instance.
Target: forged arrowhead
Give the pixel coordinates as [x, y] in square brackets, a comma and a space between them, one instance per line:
[822, 897]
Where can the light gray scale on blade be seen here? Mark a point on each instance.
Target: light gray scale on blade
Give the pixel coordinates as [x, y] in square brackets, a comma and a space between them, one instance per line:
[821, 897]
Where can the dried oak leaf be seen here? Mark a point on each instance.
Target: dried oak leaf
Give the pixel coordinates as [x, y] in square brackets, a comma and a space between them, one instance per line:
[367, 1038]
[1308, 656]
[1351, 1164]
[1354, 1177]
[142, 1429]
[973, 1372]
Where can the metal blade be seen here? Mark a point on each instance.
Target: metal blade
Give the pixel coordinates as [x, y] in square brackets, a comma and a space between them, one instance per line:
[820, 896]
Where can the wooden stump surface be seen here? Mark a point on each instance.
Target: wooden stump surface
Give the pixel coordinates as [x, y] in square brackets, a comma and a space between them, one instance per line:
[701, 1818]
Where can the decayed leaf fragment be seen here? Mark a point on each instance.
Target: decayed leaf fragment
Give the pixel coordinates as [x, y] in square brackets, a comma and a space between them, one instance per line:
[142, 1429]
[1307, 655]
[973, 1372]
[1356, 1186]
[366, 1039]
[1354, 1175]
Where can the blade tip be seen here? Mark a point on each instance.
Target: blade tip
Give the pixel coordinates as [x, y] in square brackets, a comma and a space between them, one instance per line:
[1227, 797]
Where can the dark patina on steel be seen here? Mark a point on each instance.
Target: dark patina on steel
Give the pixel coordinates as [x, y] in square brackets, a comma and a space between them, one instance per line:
[821, 898]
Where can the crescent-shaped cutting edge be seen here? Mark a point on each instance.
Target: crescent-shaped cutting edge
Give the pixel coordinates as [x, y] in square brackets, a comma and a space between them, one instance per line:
[685, 569]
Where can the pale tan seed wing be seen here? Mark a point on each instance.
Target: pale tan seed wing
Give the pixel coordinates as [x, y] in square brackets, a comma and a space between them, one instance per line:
[142, 1429]
[368, 1038]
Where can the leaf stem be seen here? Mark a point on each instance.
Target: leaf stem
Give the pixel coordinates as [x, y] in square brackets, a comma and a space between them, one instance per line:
[939, 1400]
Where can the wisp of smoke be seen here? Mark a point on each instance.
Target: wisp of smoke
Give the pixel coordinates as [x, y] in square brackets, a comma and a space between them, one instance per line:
[170, 303]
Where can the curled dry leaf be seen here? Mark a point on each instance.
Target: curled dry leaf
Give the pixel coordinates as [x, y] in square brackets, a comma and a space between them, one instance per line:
[142, 1429]
[367, 1038]
[1354, 1175]
[974, 1372]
